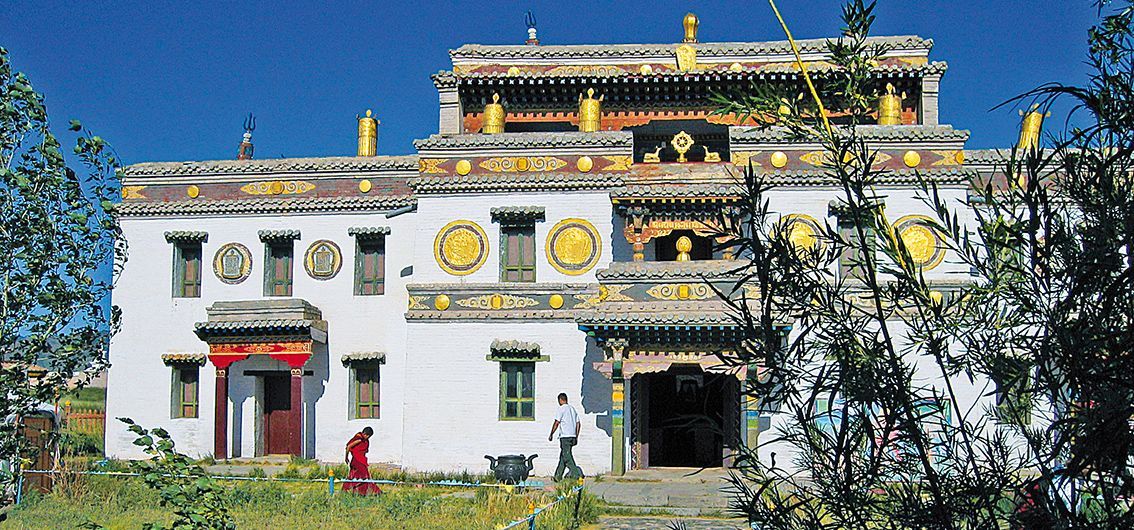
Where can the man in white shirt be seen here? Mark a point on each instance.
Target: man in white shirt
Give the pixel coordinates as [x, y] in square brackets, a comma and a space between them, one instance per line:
[567, 421]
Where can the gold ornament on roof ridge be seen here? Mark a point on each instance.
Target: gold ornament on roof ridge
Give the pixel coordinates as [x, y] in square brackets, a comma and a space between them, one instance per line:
[890, 107]
[686, 57]
[690, 23]
[1031, 128]
[367, 135]
[494, 117]
[681, 143]
[590, 112]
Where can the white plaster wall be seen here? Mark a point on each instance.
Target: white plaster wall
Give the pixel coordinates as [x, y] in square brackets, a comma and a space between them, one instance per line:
[153, 323]
[434, 212]
[453, 412]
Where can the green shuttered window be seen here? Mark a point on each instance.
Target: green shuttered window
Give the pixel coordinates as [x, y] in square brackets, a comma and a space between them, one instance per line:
[187, 269]
[517, 253]
[185, 391]
[517, 390]
[277, 269]
[370, 266]
[366, 392]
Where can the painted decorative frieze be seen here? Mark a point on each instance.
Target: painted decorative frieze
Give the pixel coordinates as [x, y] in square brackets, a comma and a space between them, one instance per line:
[573, 246]
[277, 187]
[497, 301]
[510, 164]
[460, 248]
[232, 263]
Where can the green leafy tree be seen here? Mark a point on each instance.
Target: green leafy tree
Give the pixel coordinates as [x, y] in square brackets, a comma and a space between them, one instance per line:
[197, 502]
[1046, 317]
[56, 234]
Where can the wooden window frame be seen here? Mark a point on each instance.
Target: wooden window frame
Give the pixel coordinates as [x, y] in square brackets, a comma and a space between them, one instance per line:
[271, 281]
[180, 400]
[374, 406]
[361, 282]
[514, 273]
[521, 368]
[186, 283]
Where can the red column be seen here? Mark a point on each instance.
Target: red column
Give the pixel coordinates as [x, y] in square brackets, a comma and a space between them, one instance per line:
[220, 428]
[297, 411]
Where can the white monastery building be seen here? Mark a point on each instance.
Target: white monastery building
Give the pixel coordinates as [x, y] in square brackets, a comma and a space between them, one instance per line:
[551, 237]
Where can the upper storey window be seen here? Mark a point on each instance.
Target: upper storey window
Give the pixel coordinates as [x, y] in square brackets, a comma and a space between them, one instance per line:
[369, 260]
[517, 241]
[278, 260]
[186, 262]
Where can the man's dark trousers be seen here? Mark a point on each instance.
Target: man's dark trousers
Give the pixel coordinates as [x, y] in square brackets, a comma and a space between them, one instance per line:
[566, 459]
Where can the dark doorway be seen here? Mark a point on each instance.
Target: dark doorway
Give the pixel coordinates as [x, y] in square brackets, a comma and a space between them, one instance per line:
[686, 414]
[277, 414]
[665, 248]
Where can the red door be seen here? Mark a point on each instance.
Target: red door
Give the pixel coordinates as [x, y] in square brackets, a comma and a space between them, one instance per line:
[277, 413]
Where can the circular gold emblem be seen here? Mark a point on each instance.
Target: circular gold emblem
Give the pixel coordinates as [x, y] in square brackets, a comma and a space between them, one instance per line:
[193, 191]
[911, 158]
[441, 302]
[646, 69]
[232, 263]
[959, 157]
[556, 301]
[573, 246]
[464, 167]
[735, 67]
[460, 248]
[779, 159]
[585, 164]
[802, 231]
[922, 240]
[365, 186]
[323, 260]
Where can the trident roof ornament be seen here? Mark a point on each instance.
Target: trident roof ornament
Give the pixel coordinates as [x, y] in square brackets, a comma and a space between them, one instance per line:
[246, 148]
[530, 20]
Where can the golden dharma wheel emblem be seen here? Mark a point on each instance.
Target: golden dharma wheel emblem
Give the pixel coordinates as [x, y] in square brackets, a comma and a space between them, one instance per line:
[779, 159]
[585, 164]
[911, 158]
[193, 191]
[681, 143]
[365, 186]
[464, 167]
[555, 301]
[441, 302]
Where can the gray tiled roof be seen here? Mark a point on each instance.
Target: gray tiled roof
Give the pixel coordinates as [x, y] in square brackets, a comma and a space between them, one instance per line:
[817, 177]
[528, 139]
[263, 206]
[272, 165]
[667, 270]
[676, 191]
[371, 231]
[255, 326]
[518, 213]
[364, 356]
[186, 235]
[183, 358]
[470, 52]
[514, 347]
[742, 135]
[676, 317]
[278, 235]
[723, 71]
[514, 182]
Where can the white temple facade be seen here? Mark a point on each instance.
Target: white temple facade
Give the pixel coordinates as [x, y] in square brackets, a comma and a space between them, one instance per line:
[552, 237]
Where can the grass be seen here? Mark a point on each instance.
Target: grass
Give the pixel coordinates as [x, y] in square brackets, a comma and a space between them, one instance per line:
[86, 398]
[116, 502]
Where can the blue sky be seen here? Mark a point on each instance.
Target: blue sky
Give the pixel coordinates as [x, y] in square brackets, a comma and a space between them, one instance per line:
[173, 80]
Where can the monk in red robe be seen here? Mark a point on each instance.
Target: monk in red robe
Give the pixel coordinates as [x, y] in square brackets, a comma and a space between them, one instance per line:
[356, 450]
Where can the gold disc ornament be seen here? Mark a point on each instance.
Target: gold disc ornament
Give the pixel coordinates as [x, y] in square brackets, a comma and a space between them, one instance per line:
[922, 240]
[802, 231]
[573, 246]
[460, 248]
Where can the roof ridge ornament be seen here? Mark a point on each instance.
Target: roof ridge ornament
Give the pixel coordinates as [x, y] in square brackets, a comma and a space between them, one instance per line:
[530, 20]
[246, 147]
[590, 112]
[690, 22]
[367, 134]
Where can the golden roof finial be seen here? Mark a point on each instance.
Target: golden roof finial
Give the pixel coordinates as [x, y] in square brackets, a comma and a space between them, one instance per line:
[890, 107]
[590, 112]
[690, 22]
[493, 117]
[1031, 128]
[367, 135]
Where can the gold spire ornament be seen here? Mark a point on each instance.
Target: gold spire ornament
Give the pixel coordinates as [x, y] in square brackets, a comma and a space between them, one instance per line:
[1031, 128]
[681, 143]
[590, 112]
[890, 107]
[690, 22]
[367, 135]
[493, 117]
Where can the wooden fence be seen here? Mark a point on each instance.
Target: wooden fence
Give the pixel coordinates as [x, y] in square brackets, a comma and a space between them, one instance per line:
[85, 421]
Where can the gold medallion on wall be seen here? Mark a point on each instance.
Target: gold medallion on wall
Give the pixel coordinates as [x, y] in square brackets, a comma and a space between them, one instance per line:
[460, 248]
[922, 240]
[232, 263]
[323, 260]
[802, 231]
[573, 246]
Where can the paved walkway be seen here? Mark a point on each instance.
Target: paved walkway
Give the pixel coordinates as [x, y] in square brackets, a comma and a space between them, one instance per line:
[688, 492]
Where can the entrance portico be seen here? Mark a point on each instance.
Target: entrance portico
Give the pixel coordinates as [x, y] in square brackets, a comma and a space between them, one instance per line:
[284, 330]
